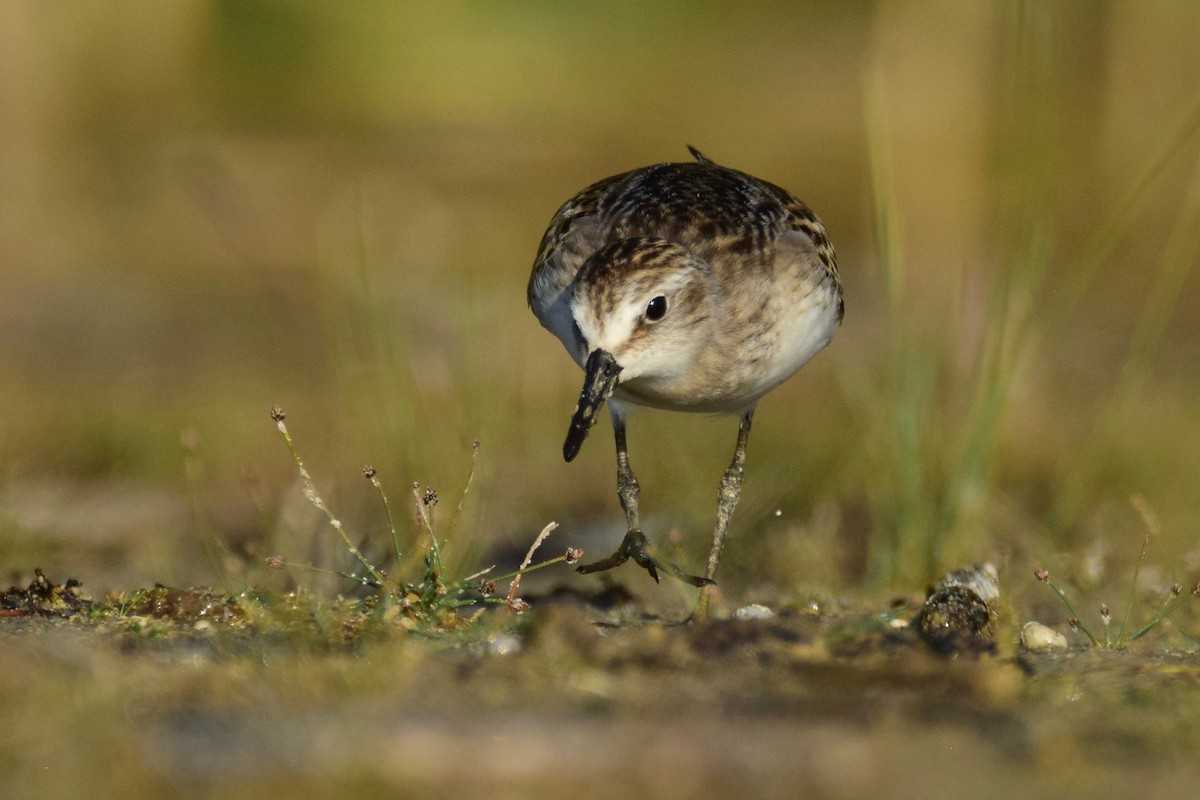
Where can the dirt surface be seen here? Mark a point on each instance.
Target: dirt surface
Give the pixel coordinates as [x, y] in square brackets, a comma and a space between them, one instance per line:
[173, 694]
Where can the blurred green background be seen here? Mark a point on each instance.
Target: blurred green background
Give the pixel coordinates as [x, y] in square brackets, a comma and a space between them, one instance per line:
[208, 208]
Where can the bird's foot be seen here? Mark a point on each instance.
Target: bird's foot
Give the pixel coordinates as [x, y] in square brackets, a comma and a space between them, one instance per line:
[634, 546]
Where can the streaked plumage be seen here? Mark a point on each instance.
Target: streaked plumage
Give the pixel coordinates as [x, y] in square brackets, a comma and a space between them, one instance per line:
[743, 274]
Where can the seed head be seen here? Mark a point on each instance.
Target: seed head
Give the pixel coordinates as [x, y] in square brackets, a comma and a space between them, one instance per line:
[1105, 614]
[1042, 575]
[487, 588]
[1074, 623]
[276, 562]
[574, 554]
[277, 413]
[430, 497]
[1176, 589]
[518, 605]
[369, 472]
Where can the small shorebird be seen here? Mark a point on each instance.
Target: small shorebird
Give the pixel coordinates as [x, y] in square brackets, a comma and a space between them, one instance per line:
[688, 287]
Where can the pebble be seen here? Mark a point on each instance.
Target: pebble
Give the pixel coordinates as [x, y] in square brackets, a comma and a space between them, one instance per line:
[1040, 638]
[754, 611]
[503, 644]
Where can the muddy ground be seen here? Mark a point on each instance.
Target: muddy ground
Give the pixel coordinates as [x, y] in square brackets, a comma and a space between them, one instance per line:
[186, 694]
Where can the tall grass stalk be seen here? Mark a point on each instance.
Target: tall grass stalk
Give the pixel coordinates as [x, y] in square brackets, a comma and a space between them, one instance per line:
[938, 429]
[367, 333]
[1178, 261]
[1175, 266]
[1024, 159]
[911, 374]
[942, 430]
[1095, 255]
[214, 549]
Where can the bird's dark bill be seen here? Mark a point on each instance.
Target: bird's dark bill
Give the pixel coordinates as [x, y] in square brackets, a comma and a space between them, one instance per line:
[600, 378]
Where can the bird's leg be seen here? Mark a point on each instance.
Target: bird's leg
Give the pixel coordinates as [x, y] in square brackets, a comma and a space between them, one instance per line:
[727, 499]
[634, 545]
[731, 489]
[628, 489]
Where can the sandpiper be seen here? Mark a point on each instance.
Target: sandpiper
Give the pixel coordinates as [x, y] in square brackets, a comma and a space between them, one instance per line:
[688, 287]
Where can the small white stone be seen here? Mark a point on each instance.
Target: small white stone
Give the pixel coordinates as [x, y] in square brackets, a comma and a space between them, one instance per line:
[754, 611]
[504, 644]
[1041, 638]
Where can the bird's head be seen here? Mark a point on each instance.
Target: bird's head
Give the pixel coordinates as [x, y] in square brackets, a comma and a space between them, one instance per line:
[643, 308]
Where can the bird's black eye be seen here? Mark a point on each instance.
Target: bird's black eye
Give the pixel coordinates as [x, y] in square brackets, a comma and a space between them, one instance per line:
[656, 308]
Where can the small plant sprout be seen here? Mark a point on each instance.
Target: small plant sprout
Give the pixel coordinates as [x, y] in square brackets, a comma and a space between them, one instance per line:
[489, 586]
[1044, 576]
[515, 603]
[1175, 596]
[369, 474]
[432, 599]
[310, 494]
[462, 498]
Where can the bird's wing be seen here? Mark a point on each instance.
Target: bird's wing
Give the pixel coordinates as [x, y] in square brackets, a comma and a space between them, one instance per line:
[575, 232]
[804, 236]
